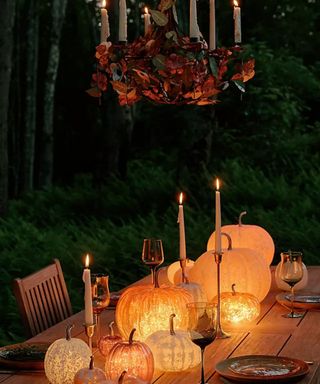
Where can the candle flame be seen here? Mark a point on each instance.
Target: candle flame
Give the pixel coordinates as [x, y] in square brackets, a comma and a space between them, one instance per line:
[235, 3]
[181, 198]
[217, 184]
[104, 3]
[87, 262]
[146, 10]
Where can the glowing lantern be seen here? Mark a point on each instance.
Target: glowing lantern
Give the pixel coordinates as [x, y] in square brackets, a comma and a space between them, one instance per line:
[238, 308]
[147, 309]
[286, 287]
[241, 266]
[134, 357]
[107, 342]
[173, 351]
[246, 236]
[90, 375]
[65, 357]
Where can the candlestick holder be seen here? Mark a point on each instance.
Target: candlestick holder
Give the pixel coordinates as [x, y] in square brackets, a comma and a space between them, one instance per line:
[220, 334]
[183, 265]
[89, 329]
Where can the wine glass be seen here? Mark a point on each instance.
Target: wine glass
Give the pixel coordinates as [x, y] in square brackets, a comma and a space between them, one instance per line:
[291, 272]
[202, 326]
[152, 255]
[100, 297]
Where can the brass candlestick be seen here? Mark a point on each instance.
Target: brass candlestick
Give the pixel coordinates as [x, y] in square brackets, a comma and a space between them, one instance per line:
[89, 328]
[220, 334]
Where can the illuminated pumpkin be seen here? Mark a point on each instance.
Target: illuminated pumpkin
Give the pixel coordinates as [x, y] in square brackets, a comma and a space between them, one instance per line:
[286, 287]
[134, 357]
[65, 357]
[238, 308]
[174, 271]
[108, 341]
[246, 236]
[90, 375]
[244, 267]
[147, 309]
[173, 351]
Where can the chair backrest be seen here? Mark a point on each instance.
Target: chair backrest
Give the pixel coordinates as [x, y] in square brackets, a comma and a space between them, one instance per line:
[43, 298]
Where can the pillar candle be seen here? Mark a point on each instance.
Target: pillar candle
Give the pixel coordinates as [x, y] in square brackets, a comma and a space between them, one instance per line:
[147, 20]
[237, 22]
[218, 219]
[122, 20]
[105, 28]
[183, 252]
[86, 277]
[194, 29]
[212, 37]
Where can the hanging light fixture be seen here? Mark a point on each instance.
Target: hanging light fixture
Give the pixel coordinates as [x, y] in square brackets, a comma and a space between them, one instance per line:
[165, 66]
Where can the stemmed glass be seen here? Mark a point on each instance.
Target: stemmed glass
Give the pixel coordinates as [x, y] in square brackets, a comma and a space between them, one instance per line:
[100, 297]
[152, 255]
[291, 272]
[202, 326]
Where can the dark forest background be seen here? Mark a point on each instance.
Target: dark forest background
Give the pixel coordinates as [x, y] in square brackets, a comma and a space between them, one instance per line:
[78, 176]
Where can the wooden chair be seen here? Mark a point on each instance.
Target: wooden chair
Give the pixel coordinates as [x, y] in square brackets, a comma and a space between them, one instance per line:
[43, 298]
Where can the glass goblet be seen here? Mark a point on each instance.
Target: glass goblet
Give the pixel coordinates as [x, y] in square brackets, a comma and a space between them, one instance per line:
[100, 297]
[291, 272]
[202, 327]
[153, 256]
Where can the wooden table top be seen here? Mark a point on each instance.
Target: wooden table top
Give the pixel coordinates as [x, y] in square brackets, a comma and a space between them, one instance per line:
[271, 334]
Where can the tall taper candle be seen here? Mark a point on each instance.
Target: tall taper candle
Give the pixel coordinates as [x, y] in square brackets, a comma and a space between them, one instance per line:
[183, 252]
[147, 20]
[194, 29]
[212, 37]
[122, 20]
[86, 277]
[105, 28]
[237, 22]
[218, 219]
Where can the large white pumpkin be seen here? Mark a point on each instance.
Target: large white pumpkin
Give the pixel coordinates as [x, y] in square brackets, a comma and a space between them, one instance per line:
[174, 273]
[246, 236]
[286, 287]
[241, 266]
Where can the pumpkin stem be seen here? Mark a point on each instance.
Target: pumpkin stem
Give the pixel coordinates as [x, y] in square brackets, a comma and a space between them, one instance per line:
[111, 328]
[240, 217]
[233, 287]
[229, 240]
[172, 332]
[121, 378]
[91, 362]
[131, 336]
[68, 331]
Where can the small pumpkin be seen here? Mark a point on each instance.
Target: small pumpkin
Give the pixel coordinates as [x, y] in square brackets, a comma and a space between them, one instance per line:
[65, 357]
[238, 308]
[246, 236]
[135, 357]
[148, 308]
[90, 375]
[286, 287]
[244, 267]
[106, 342]
[173, 351]
[125, 378]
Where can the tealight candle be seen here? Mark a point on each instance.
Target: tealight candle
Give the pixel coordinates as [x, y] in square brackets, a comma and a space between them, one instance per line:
[86, 277]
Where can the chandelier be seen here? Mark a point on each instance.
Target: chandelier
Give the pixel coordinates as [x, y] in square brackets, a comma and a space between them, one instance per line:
[166, 67]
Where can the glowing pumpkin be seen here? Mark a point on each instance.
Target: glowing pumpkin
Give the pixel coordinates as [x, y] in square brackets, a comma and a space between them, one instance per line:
[90, 375]
[173, 351]
[134, 357]
[238, 308]
[174, 271]
[65, 357]
[246, 236]
[244, 267]
[147, 309]
[108, 341]
[125, 378]
[286, 287]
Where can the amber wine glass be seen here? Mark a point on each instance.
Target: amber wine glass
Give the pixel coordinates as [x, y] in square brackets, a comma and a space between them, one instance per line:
[153, 256]
[100, 297]
[202, 327]
[291, 272]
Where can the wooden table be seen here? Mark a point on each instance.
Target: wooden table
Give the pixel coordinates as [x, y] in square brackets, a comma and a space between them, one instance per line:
[272, 334]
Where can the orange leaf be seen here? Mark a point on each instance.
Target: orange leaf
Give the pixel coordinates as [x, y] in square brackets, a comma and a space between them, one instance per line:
[119, 86]
[248, 70]
[206, 102]
[143, 76]
[94, 92]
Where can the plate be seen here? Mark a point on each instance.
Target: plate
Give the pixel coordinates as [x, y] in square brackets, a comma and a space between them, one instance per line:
[301, 300]
[23, 356]
[262, 368]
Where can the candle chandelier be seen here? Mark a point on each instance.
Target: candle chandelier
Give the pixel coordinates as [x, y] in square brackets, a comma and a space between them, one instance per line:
[166, 67]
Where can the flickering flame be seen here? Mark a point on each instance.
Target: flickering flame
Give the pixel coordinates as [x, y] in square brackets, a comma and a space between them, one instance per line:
[146, 10]
[217, 184]
[181, 198]
[104, 3]
[235, 3]
[87, 262]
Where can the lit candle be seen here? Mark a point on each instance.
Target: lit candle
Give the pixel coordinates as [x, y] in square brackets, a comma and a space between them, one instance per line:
[86, 277]
[237, 22]
[194, 28]
[147, 20]
[218, 218]
[105, 28]
[183, 252]
[122, 20]
[212, 37]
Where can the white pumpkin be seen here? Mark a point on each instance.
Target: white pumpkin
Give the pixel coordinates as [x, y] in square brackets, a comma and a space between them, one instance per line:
[246, 236]
[173, 351]
[196, 291]
[174, 272]
[286, 287]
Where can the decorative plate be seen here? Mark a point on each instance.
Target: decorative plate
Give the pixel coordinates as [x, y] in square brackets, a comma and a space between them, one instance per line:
[301, 300]
[262, 368]
[23, 356]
